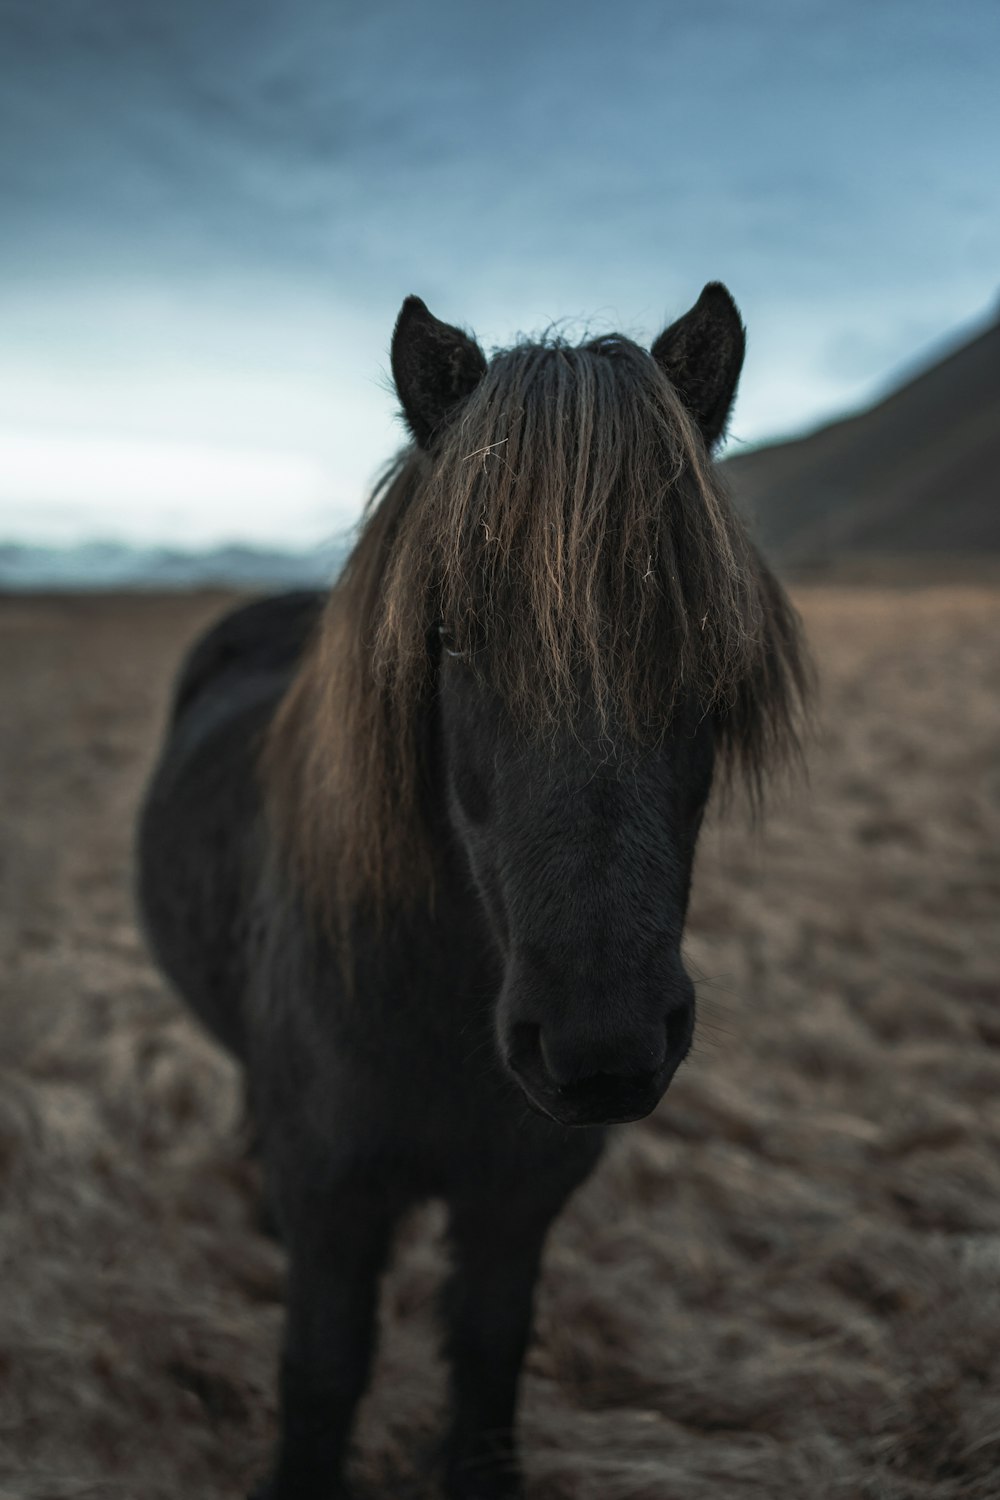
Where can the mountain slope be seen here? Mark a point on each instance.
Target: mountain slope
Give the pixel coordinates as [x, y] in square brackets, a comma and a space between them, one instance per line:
[917, 473]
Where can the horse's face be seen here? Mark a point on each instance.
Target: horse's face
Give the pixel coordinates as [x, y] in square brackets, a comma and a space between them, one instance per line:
[580, 846]
[581, 855]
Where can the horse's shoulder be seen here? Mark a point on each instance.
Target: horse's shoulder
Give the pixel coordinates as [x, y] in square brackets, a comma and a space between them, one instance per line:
[265, 635]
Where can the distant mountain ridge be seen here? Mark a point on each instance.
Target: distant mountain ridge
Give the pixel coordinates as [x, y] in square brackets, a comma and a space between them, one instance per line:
[917, 473]
[115, 565]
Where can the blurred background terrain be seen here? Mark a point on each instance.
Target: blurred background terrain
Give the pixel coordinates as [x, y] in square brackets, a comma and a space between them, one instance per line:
[786, 1283]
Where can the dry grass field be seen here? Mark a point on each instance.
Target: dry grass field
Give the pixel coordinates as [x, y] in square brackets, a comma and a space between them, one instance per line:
[783, 1286]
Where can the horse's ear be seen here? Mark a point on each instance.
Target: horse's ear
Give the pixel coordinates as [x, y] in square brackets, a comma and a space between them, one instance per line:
[434, 366]
[702, 355]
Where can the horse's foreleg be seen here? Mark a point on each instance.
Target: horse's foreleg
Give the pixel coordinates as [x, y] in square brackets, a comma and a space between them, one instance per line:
[488, 1307]
[338, 1242]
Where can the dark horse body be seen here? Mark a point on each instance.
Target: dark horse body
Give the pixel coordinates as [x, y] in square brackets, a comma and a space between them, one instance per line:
[503, 910]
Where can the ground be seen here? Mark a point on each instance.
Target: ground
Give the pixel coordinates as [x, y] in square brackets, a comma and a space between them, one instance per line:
[785, 1285]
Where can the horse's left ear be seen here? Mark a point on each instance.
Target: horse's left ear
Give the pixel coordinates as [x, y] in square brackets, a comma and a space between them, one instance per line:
[434, 366]
[702, 356]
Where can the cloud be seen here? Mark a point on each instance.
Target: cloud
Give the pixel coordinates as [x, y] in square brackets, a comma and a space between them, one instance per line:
[237, 197]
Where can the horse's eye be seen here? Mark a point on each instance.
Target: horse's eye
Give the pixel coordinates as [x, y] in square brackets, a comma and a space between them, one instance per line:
[447, 642]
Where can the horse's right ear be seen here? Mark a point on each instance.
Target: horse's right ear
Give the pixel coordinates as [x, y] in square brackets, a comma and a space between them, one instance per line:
[434, 366]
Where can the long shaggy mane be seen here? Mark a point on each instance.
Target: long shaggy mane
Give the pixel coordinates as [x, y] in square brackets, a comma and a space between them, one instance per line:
[569, 534]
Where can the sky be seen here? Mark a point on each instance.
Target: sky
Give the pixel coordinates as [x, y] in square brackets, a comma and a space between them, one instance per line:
[211, 214]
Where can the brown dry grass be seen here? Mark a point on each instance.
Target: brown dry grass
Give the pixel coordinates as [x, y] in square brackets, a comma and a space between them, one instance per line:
[785, 1285]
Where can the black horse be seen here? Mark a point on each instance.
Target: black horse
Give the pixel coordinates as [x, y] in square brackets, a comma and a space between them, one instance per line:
[419, 852]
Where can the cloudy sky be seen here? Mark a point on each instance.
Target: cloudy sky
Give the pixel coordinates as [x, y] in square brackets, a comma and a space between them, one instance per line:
[211, 213]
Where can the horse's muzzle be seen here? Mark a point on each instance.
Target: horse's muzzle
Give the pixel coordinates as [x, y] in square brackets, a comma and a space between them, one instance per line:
[598, 1097]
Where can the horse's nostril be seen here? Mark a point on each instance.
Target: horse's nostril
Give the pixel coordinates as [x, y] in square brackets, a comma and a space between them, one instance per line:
[525, 1043]
[679, 1029]
[550, 1068]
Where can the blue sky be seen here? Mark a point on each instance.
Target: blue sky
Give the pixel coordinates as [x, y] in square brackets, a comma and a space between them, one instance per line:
[212, 213]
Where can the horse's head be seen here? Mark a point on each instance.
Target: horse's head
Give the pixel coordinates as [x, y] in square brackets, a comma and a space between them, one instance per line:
[551, 629]
[598, 625]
